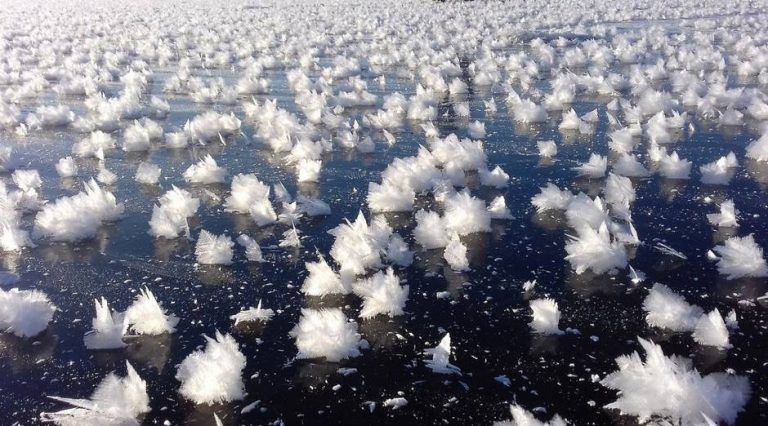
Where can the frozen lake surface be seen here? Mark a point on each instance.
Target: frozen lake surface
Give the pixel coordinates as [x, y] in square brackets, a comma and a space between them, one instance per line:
[660, 79]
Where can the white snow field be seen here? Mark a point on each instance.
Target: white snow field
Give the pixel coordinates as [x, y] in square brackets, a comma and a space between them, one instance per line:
[352, 212]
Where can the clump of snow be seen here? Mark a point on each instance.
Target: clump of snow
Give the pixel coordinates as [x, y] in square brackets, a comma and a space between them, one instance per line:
[719, 172]
[476, 130]
[205, 171]
[108, 328]
[214, 249]
[465, 214]
[395, 403]
[666, 309]
[455, 254]
[711, 330]
[116, 401]
[583, 210]
[326, 333]
[594, 168]
[77, 217]
[175, 140]
[313, 206]
[147, 173]
[671, 389]
[430, 231]
[246, 189]
[139, 135]
[169, 219]
[66, 167]
[308, 170]
[358, 246]
[382, 294]
[758, 149]
[322, 280]
[48, 116]
[628, 165]
[522, 417]
[105, 176]
[25, 313]
[727, 216]
[496, 178]
[94, 145]
[212, 126]
[213, 375]
[546, 316]
[291, 238]
[252, 248]
[390, 197]
[595, 250]
[26, 180]
[498, 208]
[551, 198]
[547, 149]
[253, 314]
[741, 257]
[397, 251]
[147, 316]
[673, 167]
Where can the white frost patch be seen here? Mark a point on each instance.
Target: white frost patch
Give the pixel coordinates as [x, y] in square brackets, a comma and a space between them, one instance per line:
[382, 294]
[147, 173]
[116, 401]
[77, 217]
[108, 328]
[666, 309]
[323, 280]
[711, 330]
[455, 254]
[441, 356]
[25, 313]
[205, 171]
[253, 314]
[523, 417]
[326, 333]
[214, 249]
[595, 250]
[147, 316]
[213, 375]
[546, 316]
[741, 257]
[727, 216]
[670, 388]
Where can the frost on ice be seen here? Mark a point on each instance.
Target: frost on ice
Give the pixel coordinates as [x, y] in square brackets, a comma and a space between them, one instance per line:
[669, 388]
[213, 375]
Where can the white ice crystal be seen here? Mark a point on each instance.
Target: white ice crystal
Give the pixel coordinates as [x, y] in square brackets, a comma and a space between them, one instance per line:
[326, 333]
[213, 375]
[670, 388]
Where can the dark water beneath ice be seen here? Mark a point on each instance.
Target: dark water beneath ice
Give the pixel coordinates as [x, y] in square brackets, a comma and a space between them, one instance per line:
[486, 314]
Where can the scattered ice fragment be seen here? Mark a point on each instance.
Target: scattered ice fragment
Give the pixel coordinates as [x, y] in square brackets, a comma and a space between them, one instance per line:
[395, 403]
[253, 314]
[441, 354]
